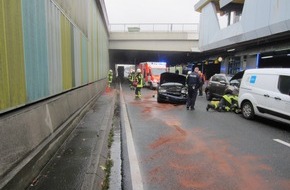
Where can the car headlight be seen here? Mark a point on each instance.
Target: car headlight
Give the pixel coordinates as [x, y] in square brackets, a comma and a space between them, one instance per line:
[183, 91]
[162, 90]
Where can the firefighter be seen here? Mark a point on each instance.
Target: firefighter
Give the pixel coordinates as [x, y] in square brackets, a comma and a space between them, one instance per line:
[228, 102]
[139, 81]
[110, 77]
[131, 79]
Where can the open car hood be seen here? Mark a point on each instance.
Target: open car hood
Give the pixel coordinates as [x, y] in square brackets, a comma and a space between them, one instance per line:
[238, 75]
[172, 77]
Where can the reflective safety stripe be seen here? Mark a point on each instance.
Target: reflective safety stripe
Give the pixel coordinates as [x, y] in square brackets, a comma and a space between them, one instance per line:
[227, 98]
[139, 80]
[215, 103]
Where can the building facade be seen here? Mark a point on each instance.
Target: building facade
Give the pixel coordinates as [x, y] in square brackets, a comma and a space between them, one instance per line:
[257, 33]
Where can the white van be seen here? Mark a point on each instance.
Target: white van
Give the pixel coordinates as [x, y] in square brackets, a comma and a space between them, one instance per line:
[266, 92]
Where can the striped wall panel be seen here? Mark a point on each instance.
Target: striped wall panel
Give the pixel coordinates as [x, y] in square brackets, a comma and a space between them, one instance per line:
[44, 52]
[54, 48]
[84, 55]
[66, 53]
[72, 47]
[77, 10]
[13, 92]
[4, 82]
[35, 49]
[77, 57]
[100, 40]
[95, 46]
[90, 39]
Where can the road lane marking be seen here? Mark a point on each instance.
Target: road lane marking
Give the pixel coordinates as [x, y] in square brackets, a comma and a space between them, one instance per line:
[282, 142]
[136, 177]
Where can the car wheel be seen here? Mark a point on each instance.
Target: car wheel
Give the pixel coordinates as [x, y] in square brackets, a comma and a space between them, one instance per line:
[159, 100]
[248, 110]
[208, 95]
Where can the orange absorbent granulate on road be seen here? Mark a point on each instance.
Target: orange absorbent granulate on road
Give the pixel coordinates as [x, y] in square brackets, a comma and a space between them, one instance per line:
[196, 160]
[193, 158]
[108, 89]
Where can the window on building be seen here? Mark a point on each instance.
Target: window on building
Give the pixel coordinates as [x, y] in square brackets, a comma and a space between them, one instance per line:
[234, 65]
[230, 13]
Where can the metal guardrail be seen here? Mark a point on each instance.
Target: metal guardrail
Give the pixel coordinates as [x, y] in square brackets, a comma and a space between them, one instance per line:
[156, 27]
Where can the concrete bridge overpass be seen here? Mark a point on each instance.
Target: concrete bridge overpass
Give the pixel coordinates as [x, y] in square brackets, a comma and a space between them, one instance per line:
[174, 43]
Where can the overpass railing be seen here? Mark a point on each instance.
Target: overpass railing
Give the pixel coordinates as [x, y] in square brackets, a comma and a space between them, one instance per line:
[154, 27]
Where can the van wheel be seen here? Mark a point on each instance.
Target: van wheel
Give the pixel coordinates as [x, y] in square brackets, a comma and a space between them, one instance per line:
[248, 110]
[208, 95]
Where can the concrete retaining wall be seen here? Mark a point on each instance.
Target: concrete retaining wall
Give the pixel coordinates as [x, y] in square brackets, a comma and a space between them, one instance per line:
[30, 135]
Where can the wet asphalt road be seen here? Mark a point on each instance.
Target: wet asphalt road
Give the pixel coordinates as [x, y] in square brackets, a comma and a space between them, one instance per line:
[181, 149]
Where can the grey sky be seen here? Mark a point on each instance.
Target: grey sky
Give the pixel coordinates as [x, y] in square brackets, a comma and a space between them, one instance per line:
[152, 11]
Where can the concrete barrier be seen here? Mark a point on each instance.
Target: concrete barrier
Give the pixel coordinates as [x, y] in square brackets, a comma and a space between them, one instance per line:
[31, 135]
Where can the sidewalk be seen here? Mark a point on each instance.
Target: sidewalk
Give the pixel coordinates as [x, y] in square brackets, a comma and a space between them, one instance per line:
[77, 164]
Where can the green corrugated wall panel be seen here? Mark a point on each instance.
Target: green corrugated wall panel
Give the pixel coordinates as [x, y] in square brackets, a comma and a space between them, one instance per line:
[12, 61]
[72, 55]
[77, 56]
[84, 60]
[4, 82]
[35, 49]
[96, 47]
[98, 53]
[54, 49]
[100, 47]
[102, 42]
[76, 9]
[90, 45]
[66, 53]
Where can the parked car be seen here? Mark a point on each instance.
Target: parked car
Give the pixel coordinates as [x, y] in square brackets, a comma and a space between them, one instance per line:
[172, 88]
[265, 92]
[217, 85]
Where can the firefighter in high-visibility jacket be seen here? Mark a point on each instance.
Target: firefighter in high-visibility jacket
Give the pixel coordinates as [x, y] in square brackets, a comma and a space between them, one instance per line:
[139, 81]
[110, 77]
[228, 102]
[131, 77]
